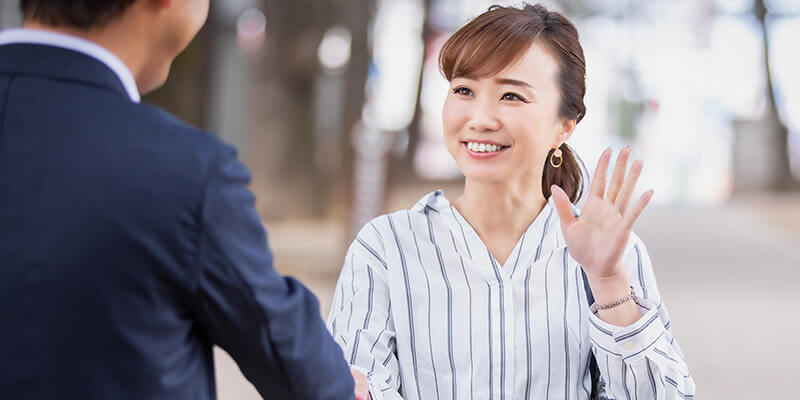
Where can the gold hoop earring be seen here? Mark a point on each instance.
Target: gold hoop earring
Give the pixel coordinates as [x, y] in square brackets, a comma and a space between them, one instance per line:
[556, 154]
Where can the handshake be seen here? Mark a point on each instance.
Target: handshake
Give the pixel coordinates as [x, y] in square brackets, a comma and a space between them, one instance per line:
[362, 385]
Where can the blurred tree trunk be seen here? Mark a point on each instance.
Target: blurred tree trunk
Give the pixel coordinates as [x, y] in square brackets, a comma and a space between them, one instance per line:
[283, 135]
[784, 180]
[578, 9]
[402, 170]
[10, 15]
[356, 15]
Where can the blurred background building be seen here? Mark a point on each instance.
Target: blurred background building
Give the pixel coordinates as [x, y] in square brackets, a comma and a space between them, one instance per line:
[335, 105]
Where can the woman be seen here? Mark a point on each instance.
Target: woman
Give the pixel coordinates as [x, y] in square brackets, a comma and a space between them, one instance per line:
[488, 296]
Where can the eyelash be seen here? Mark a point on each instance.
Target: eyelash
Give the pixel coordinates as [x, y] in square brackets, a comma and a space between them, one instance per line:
[517, 97]
[463, 91]
[460, 90]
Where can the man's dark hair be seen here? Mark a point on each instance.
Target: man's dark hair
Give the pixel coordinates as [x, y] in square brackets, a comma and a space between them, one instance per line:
[81, 14]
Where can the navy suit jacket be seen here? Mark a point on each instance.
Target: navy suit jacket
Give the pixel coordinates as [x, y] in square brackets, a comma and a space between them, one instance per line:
[129, 245]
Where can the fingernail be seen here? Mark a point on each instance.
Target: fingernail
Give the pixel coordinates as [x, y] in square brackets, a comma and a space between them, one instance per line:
[627, 149]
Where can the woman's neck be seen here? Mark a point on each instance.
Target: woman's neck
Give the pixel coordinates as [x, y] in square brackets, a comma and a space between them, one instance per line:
[500, 211]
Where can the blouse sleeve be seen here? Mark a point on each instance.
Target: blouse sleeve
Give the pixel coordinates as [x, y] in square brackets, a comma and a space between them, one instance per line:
[642, 360]
[360, 319]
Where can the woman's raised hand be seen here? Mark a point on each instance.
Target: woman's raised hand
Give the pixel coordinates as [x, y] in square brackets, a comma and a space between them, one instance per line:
[597, 239]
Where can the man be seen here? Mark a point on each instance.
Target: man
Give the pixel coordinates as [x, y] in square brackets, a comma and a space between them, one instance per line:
[129, 244]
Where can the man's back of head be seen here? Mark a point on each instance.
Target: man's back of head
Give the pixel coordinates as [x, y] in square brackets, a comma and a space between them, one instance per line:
[81, 14]
[146, 35]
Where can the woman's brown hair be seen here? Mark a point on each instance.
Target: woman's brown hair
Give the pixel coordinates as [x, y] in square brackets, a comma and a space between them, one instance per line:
[500, 37]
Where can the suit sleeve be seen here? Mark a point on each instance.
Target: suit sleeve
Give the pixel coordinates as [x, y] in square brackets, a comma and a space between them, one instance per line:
[269, 324]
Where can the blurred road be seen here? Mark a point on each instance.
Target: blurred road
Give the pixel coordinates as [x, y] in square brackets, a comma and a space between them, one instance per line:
[730, 275]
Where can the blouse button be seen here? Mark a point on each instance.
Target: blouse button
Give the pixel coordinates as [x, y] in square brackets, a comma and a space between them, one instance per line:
[629, 345]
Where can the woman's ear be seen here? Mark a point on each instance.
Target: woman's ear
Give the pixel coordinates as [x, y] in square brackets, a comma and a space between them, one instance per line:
[565, 131]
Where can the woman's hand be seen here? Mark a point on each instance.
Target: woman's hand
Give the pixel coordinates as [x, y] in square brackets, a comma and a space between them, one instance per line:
[597, 239]
[362, 385]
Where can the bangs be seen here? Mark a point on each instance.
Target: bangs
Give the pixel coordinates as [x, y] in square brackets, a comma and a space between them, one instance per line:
[488, 44]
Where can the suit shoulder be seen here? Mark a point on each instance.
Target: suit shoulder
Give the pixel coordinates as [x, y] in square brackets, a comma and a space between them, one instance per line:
[189, 148]
[179, 131]
[173, 153]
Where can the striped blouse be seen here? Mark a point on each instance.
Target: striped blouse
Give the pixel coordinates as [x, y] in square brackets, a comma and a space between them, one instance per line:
[426, 312]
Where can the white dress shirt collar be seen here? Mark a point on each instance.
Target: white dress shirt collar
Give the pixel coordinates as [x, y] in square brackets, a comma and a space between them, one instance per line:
[34, 36]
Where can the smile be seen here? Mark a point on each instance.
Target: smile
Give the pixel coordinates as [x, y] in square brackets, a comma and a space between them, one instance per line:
[482, 147]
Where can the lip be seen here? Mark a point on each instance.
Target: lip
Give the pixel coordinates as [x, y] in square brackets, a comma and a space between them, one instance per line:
[483, 156]
[464, 142]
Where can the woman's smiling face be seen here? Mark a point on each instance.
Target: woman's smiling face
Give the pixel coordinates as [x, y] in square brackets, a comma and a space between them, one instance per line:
[499, 128]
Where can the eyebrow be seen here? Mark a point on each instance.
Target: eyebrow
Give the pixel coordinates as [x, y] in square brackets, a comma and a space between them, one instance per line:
[500, 81]
[515, 82]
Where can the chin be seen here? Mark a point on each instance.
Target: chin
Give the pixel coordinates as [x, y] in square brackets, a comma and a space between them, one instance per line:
[485, 175]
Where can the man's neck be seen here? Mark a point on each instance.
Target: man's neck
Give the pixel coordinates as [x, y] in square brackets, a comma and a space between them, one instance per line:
[113, 39]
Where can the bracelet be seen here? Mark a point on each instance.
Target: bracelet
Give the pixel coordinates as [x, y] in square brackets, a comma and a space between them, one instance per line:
[616, 302]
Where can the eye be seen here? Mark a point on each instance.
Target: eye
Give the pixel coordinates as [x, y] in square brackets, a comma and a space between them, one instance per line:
[463, 91]
[513, 97]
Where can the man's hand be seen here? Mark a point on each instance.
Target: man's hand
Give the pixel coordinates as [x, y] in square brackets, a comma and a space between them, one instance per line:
[362, 385]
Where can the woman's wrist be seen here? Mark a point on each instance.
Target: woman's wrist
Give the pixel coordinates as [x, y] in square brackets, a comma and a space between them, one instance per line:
[609, 289]
[615, 303]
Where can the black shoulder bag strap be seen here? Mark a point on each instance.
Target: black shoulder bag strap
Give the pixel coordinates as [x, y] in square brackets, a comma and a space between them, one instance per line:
[593, 369]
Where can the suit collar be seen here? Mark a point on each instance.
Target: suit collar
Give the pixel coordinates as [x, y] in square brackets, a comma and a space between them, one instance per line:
[36, 55]
[33, 60]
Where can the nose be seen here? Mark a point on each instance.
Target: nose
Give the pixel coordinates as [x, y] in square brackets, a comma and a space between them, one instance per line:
[483, 118]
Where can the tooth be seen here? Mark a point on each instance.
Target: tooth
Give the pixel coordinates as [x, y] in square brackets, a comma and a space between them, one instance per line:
[469, 145]
[494, 148]
[482, 147]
